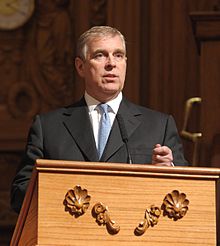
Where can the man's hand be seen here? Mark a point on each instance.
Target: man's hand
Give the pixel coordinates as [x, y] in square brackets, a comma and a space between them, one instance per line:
[162, 156]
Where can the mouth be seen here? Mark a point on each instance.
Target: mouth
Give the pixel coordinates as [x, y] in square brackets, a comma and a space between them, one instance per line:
[110, 76]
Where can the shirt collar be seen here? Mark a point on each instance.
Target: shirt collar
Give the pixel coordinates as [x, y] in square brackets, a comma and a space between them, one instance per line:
[92, 102]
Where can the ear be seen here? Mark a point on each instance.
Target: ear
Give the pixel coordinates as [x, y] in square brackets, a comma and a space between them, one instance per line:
[79, 64]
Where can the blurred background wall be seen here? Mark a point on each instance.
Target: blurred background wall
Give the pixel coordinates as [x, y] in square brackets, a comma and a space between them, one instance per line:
[37, 44]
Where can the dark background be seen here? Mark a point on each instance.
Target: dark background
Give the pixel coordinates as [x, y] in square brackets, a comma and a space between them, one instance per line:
[164, 70]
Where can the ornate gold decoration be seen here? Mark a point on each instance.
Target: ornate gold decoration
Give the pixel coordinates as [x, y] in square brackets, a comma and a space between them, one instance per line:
[100, 212]
[193, 137]
[77, 201]
[175, 205]
[151, 218]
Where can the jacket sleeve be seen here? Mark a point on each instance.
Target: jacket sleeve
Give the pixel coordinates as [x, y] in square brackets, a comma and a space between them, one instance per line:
[34, 150]
[173, 141]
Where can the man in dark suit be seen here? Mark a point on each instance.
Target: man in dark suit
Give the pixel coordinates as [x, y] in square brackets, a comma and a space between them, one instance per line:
[138, 134]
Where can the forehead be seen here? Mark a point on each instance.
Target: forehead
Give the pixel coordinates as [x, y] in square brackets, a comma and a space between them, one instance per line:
[106, 43]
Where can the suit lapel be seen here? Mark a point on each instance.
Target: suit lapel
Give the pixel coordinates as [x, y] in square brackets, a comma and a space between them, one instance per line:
[128, 111]
[78, 124]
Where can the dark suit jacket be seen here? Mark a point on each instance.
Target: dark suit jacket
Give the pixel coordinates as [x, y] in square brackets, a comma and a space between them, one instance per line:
[66, 134]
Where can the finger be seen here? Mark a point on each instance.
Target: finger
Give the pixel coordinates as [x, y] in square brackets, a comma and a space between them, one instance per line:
[161, 158]
[168, 164]
[157, 145]
[162, 150]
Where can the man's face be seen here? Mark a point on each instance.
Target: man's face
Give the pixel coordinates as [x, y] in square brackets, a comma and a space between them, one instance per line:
[104, 68]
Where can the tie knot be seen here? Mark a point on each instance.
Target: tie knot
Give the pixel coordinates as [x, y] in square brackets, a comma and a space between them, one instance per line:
[103, 108]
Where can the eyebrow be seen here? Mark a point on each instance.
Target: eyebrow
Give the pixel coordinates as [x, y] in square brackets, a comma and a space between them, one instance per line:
[99, 51]
[105, 51]
[120, 51]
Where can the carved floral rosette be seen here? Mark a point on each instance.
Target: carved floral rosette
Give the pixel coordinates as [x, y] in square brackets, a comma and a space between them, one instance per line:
[175, 205]
[77, 201]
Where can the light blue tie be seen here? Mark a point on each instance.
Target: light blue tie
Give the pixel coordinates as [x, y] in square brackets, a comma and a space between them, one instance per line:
[104, 128]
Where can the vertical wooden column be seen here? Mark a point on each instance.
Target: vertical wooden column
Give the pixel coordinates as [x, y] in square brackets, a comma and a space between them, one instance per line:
[206, 26]
[119, 16]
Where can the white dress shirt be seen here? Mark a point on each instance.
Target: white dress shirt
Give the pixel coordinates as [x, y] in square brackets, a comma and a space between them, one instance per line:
[95, 115]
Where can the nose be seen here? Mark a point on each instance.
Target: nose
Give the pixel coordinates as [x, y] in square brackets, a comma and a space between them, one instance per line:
[110, 62]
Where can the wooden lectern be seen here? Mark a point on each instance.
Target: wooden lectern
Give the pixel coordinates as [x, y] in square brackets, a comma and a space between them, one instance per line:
[84, 203]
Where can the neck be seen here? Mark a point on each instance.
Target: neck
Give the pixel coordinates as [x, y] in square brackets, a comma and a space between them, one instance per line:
[104, 98]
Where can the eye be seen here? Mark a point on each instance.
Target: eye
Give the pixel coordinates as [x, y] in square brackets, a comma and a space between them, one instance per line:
[99, 56]
[119, 56]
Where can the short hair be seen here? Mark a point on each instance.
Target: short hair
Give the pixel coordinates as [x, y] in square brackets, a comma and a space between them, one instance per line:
[93, 33]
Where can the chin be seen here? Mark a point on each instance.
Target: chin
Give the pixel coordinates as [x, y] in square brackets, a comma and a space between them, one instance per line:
[112, 86]
[112, 91]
